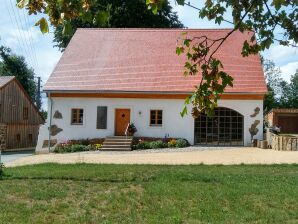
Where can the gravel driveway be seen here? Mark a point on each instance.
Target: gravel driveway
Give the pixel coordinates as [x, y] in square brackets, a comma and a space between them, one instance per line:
[8, 157]
[190, 155]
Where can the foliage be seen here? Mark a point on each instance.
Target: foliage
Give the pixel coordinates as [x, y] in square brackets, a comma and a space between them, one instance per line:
[172, 143]
[181, 143]
[103, 13]
[281, 93]
[14, 65]
[77, 146]
[131, 129]
[214, 80]
[260, 16]
[293, 96]
[142, 145]
[44, 114]
[1, 169]
[101, 193]
[158, 144]
[273, 80]
[289, 93]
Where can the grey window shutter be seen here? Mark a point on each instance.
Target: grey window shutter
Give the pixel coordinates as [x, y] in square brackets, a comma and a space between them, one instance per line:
[102, 113]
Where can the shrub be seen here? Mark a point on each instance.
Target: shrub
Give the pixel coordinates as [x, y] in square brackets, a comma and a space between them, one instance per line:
[1, 170]
[172, 143]
[181, 143]
[78, 148]
[84, 142]
[143, 145]
[157, 144]
[67, 147]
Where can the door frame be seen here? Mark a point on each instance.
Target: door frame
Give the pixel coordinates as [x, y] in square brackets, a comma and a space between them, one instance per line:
[115, 117]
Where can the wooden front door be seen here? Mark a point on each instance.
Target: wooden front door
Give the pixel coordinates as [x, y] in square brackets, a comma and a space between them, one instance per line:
[122, 119]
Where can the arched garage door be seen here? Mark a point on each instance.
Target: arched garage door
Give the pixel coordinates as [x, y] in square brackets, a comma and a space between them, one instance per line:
[225, 128]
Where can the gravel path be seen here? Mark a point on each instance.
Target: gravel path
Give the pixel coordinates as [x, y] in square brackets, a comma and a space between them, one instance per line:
[190, 155]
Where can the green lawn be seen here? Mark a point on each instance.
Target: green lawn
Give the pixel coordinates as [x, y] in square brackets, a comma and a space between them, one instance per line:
[86, 193]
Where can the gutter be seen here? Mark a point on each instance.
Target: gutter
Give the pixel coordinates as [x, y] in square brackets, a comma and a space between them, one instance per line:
[140, 92]
[50, 122]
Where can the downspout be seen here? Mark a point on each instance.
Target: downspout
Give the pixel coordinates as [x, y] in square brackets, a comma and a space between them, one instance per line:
[50, 122]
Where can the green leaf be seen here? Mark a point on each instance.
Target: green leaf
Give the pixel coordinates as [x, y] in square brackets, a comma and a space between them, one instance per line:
[179, 50]
[183, 112]
[180, 2]
[187, 42]
[43, 25]
[22, 3]
[67, 29]
[101, 18]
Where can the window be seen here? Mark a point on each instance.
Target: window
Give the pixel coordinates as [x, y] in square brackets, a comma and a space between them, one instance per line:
[101, 122]
[30, 138]
[18, 138]
[25, 113]
[156, 118]
[77, 116]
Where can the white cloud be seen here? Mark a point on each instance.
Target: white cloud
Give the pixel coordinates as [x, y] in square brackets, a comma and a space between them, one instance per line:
[281, 53]
[288, 70]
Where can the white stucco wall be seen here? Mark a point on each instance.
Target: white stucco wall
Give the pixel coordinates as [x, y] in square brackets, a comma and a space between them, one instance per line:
[173, 123]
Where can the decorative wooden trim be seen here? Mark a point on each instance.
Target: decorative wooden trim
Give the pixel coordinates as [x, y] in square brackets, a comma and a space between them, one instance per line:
[154, 96]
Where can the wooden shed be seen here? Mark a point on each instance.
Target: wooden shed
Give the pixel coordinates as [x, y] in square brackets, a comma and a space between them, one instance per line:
[285, 119]
[19, 117]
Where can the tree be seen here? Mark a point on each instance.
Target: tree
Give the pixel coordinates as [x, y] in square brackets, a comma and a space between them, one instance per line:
[293, 91]
[273, 80]
[122, 14]
[284, 99]
[14, 65]
[262, 16]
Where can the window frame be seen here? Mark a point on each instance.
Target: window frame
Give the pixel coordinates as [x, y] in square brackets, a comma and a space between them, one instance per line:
[99, 125]
[155, 124]
[77, 116]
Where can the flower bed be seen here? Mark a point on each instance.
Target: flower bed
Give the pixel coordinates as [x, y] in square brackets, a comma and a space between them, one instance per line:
[158, 143]
[79, 145]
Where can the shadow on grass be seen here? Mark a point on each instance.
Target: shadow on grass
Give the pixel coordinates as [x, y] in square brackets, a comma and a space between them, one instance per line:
[131, 180]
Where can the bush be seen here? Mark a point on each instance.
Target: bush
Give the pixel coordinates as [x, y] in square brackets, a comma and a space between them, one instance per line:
[65, 147]
[79, 148]
[158, 144]
[181, 143]
[143, 145]
[1, 170]
[79, 145]
[85, 142]
[172, 143]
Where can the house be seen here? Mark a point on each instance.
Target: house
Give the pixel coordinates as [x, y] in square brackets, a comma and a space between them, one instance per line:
[19, 117]
[285, 119]
[107, 78]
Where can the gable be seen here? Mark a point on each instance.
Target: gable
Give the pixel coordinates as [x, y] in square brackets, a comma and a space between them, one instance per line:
[14, 100]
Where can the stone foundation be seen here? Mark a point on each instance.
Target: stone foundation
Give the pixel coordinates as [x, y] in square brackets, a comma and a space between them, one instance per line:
[3, 131]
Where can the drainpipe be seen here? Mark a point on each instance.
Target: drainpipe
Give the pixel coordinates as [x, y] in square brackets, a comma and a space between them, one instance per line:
[50, 122]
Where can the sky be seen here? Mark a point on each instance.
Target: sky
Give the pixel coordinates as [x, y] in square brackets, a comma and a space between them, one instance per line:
[18, 32]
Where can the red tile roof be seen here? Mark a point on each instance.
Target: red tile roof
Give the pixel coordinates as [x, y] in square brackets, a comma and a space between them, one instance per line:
[133, 60]
[5, 79]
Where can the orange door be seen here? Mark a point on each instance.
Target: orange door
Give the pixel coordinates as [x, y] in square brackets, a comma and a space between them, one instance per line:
[122, 119]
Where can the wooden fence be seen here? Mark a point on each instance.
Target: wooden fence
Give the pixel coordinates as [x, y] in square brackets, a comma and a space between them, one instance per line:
[284, 143]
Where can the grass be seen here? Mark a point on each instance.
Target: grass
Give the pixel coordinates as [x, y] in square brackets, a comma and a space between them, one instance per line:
[87, 193]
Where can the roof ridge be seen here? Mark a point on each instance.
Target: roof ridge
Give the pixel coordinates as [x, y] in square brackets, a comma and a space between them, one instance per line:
[157, 29]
